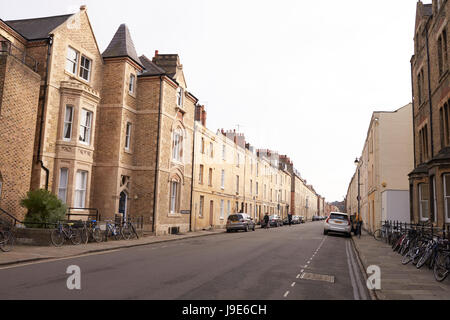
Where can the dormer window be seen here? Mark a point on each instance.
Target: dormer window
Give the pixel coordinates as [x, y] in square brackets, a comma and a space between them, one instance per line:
[85, 68]
[180, 93]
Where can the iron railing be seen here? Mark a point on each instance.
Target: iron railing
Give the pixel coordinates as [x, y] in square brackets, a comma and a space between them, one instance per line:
[8, 48]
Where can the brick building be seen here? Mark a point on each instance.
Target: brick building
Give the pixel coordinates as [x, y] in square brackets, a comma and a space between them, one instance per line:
[430, 179]
[114, 131]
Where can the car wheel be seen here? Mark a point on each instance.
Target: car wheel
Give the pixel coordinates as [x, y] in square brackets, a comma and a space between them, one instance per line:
[246, 228]
[325, 232]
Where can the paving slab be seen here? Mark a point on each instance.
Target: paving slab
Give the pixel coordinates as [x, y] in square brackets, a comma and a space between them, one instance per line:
[399, 282]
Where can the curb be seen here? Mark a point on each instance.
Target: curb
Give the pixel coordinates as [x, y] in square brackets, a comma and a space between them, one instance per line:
[362, 267]
[19, 262]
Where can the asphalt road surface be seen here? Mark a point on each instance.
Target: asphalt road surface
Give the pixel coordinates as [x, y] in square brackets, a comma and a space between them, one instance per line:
[286, 263]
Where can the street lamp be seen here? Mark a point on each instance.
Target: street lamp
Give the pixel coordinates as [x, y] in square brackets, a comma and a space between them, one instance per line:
[358, 163]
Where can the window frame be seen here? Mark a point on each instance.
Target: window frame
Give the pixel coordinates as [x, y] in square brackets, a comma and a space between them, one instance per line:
[128, 128]
[446, 209]
[86, 128]
[68, 123]
[83, 69]
[423, 201]
[132, 84]
[83, 189]
[74, 62]
[61, 170]
[174, 199]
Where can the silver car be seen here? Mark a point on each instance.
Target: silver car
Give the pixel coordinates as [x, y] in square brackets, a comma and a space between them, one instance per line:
[240, 221]
[338, 222]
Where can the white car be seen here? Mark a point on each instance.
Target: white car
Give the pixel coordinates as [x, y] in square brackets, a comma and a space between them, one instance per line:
[338, 222]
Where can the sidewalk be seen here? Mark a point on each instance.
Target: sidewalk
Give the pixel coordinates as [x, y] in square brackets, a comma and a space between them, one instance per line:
[399, 282]
[23, 253]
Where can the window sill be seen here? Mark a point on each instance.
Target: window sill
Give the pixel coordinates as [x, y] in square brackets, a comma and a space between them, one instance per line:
[128, 151]
[132, 94]
[78, 78]
[174, 215]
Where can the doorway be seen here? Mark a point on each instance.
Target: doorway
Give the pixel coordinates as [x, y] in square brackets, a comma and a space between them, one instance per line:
[211, 213]
[123, 204]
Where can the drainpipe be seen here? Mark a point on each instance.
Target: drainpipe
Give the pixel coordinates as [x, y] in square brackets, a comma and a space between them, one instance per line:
[39, 158]
[414, 130]
[157, 152]
[192, 175]
[429, 91]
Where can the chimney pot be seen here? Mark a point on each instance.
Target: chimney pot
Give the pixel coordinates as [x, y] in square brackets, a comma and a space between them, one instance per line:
[156, 53]
[83, 7]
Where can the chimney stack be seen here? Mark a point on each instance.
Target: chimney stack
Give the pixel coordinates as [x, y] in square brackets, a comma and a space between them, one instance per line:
[83, 7]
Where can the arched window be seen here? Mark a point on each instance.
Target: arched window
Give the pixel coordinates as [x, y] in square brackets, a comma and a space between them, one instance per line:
[177, 151]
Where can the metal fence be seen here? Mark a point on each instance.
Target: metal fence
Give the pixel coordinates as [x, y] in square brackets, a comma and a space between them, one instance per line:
[8, 48]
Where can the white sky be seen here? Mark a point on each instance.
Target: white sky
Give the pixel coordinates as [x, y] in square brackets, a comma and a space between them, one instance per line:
[299, 77]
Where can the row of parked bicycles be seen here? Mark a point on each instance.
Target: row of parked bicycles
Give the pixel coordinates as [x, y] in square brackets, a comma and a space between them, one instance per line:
[419, 244]
[83, 232]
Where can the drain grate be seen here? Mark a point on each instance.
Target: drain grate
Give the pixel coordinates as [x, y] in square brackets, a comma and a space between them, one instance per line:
[317, 277]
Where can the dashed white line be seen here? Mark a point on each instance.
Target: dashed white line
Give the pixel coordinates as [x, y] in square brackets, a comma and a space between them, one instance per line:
[293, 284]
[286, 294]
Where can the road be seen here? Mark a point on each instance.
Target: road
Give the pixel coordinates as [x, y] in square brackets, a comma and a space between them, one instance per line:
[287, 263]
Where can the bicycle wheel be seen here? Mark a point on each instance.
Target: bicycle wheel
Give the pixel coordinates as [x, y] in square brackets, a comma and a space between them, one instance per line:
[377, 235]
[84, 235]
[407, 258]
[126, 232]
[97, 235]
[76, 236]
[440, 266]
[6, 240]
[423, 259]
[404, 248]
[57, 238]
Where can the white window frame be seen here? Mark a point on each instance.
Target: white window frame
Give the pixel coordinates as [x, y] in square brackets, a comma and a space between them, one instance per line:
[177, 151]
[237, 184]
[131, 86]
[83, 68]
[201, 206]
[174, 190]
[222, 209]
[222, 180]
[80, 189]
[224, 152]
[211, 150]
[68, 123]
[86, 127]
[447, 213]
[74, 63]
[180, 94]
[128, 136]
[62, 187]
[422, 218]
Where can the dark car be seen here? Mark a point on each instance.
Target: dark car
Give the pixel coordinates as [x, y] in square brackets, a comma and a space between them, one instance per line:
[240, 221]
[274, 221]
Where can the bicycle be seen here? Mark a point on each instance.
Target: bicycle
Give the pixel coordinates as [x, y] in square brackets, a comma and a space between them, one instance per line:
[91, 230]
[128, 230]
[114, 230]
[61, 233]
[442, 262]
[7, 240]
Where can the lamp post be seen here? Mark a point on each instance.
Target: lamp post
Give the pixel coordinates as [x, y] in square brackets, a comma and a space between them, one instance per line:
[358, 163]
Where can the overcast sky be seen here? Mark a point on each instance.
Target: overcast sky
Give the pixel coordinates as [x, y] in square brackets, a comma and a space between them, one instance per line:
[298, 77]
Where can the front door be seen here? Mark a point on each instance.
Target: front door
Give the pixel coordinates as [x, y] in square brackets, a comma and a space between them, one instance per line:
[123, 204]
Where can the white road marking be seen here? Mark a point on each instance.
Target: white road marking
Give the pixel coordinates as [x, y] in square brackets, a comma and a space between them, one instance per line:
[293, 284]
[286, 294]
[298, 276]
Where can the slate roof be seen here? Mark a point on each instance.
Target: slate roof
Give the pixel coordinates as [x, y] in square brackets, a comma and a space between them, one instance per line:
[122, 45]
[37, 28]
[151, 69]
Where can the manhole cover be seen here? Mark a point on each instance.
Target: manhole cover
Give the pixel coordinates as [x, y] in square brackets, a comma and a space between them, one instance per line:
[317, 277]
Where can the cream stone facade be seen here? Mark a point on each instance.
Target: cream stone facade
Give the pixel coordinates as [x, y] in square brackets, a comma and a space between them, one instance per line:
[114, 133]
[383, 169]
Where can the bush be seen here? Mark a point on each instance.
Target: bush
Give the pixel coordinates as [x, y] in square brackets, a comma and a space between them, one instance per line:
[43, 207]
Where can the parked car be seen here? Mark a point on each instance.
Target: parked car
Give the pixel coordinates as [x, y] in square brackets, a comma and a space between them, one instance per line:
[274, 221]
[296, 220]
[338, 222]
[302, 219]
[240, 221]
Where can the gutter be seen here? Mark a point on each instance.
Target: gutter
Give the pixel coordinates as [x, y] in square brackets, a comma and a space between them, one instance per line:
[39, 156]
